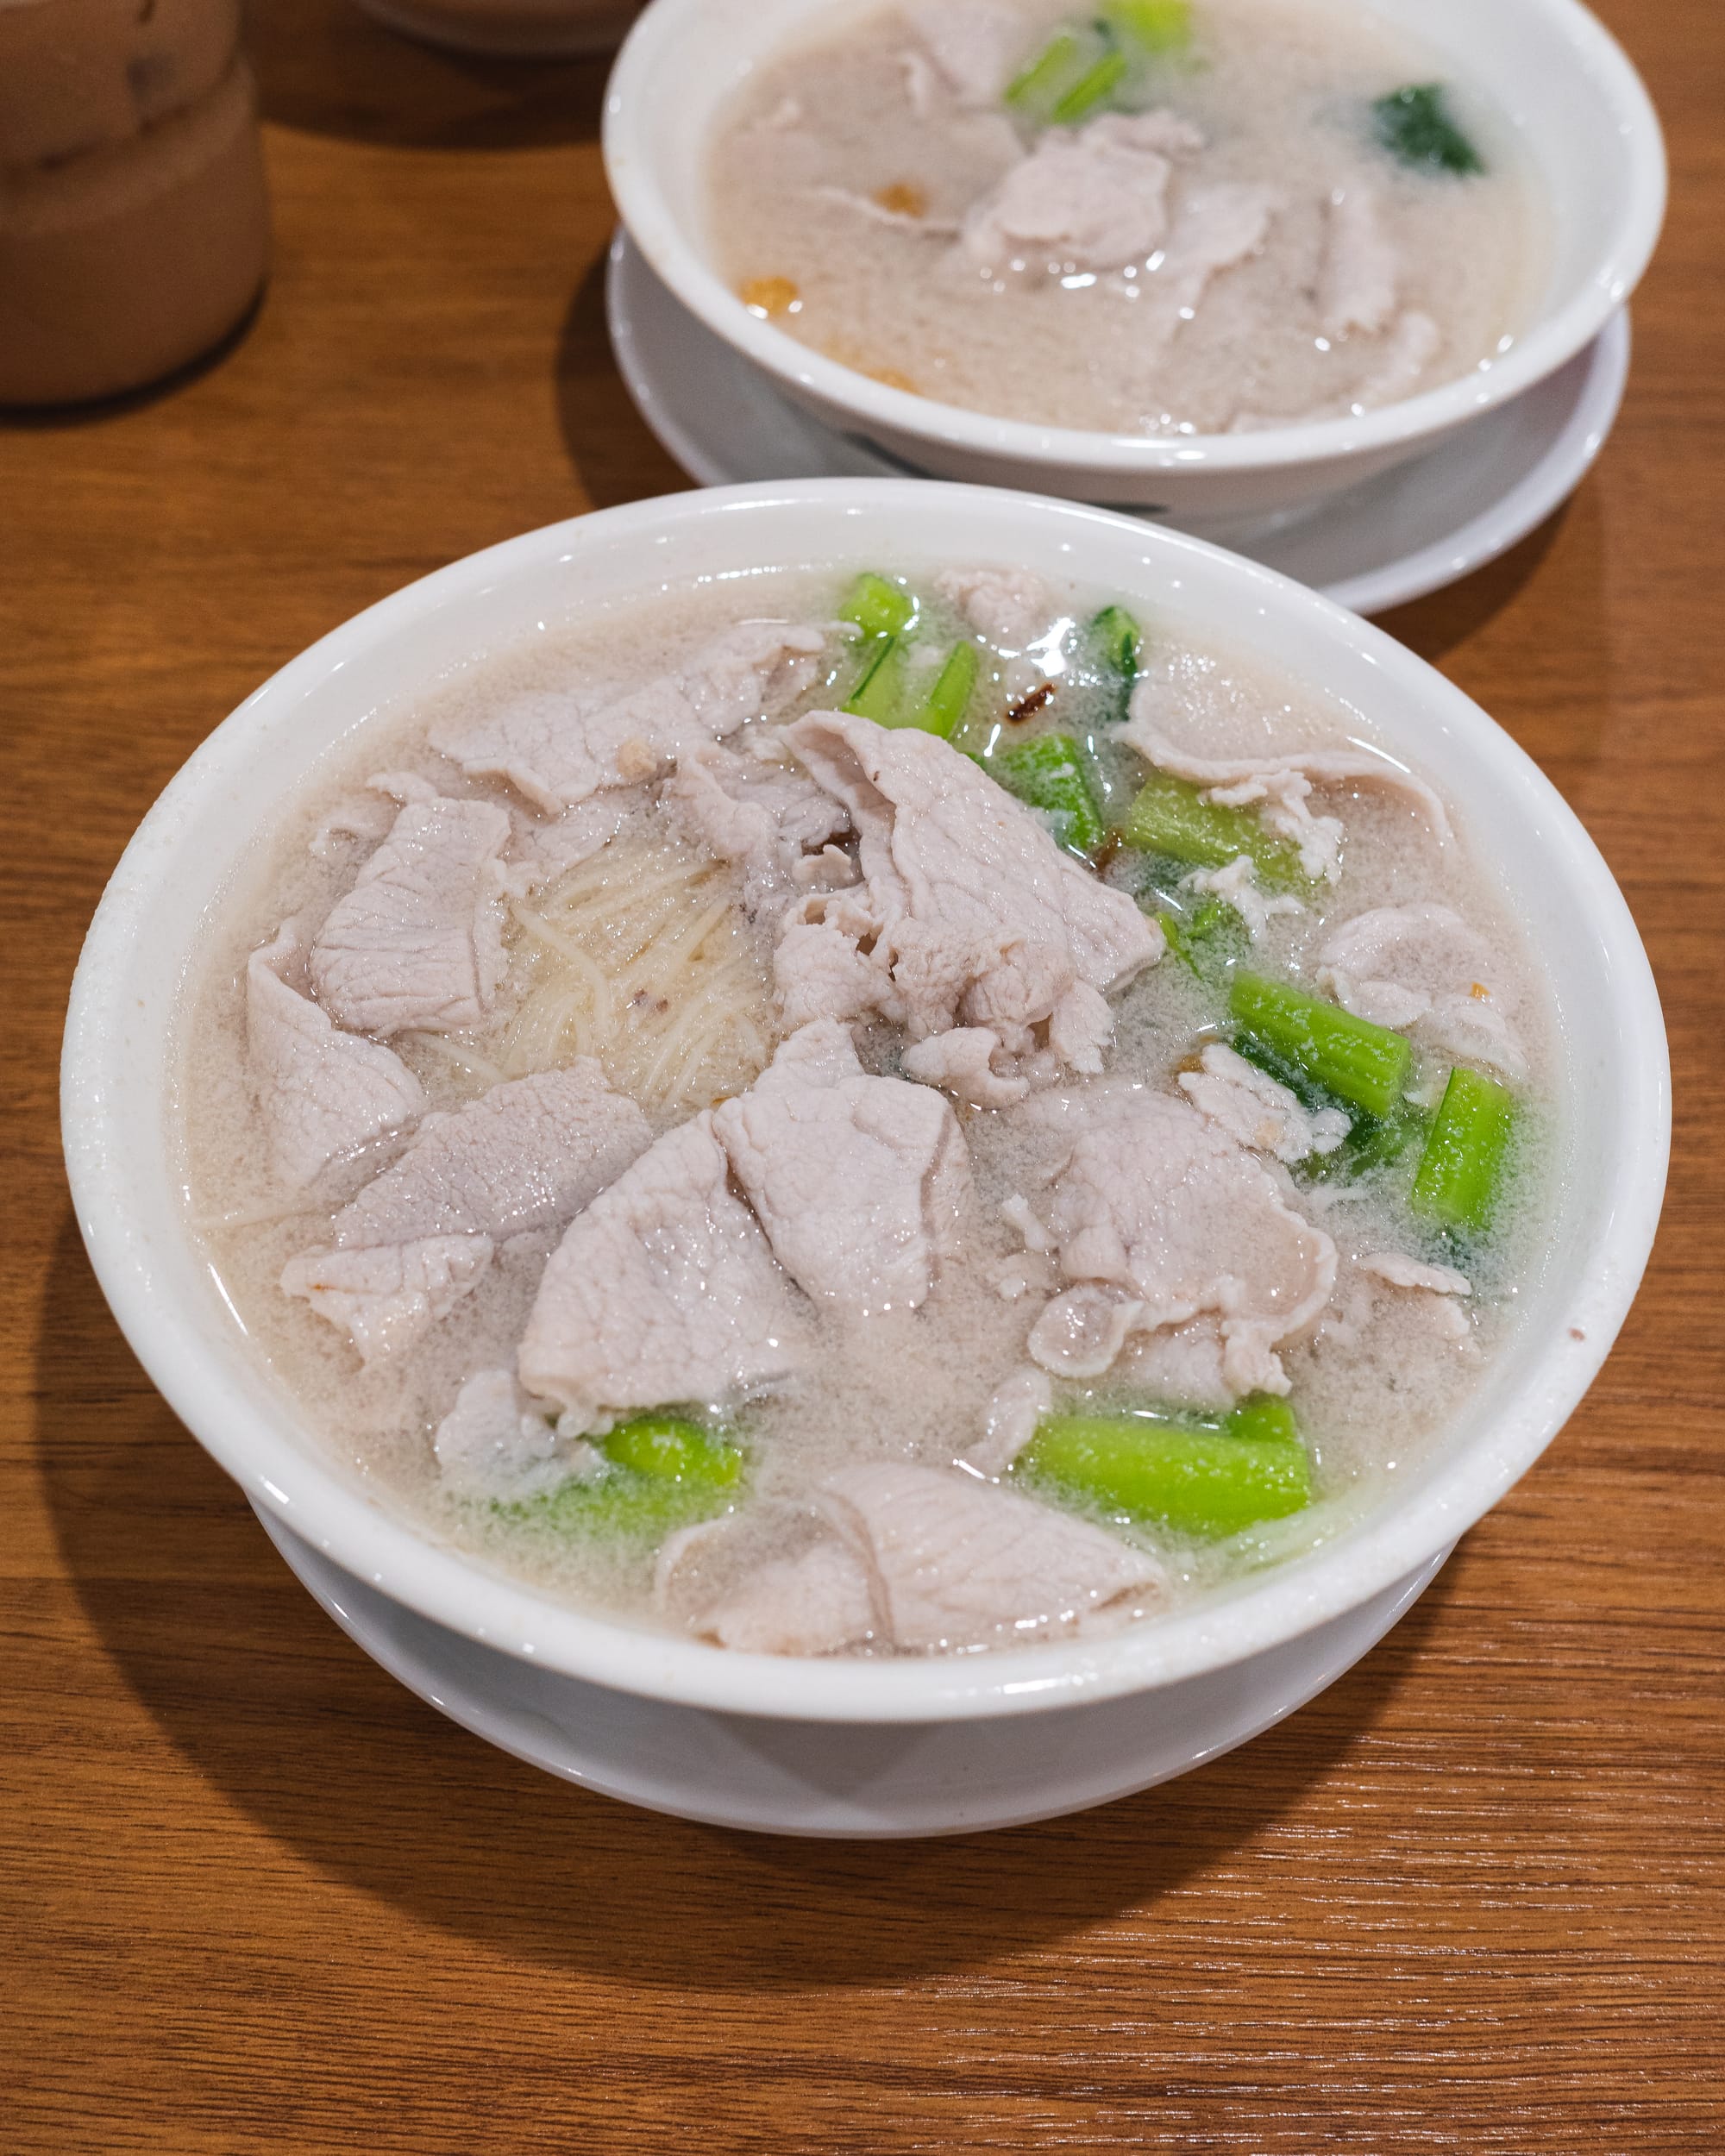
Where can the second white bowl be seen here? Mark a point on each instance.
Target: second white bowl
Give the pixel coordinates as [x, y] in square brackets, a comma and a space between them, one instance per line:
[1550, 66]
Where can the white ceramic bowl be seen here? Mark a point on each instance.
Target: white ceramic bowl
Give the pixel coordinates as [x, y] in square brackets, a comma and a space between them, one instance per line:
[205, 834]
[1552, 69]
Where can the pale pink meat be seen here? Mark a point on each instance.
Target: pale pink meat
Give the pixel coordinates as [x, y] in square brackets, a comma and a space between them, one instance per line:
[973, 915]
[963, 1062]
[557, 755]
[1092, 198]
[1420, 969]
[385, 1297]
[818, 1603]
[525, 1157]
[859, 1182]
[1160, 1204]
[1016, 1406]
[1361, 269]
[765, 816]
[975, 46]
[495, 1442]
[1282, 785]
[954, 1562]
[1250, 1106]
[322, 1093]
[663, 1291]
[418, 943]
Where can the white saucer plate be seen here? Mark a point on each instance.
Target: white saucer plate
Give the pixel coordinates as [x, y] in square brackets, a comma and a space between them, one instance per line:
[1397, 538]
[867, 1781]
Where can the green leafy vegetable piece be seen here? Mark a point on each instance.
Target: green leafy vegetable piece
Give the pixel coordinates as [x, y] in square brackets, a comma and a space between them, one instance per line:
[1462, 1168]
[1415, 125]
[878, 608]
[1196, 1477]
[1049, 76]
[1094, 87]
[1213, 942]
[1118, 641]
[1048, 774]
[1154, 26]
[1172, 817]
[880, 692]
[1363, 1065]
[664, 1473]
[942, 711]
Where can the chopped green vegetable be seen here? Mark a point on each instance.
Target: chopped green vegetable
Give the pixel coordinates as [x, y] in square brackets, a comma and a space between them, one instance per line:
[1054, 71]
[1194, 1476]
[1094, 87]
[879, 609]
[1213, 941]
[1048, 774]
[1372, 1142]
[1118, 640]
[1155, 26]
[1365, 1065]
[942, 711]
[879, 694]
[1172, 817]
[1415, 125]
[1461, 1170]
[664, 1472]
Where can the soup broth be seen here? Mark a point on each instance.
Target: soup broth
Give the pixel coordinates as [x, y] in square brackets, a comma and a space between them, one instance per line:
[739, 1235]
[1279, 211]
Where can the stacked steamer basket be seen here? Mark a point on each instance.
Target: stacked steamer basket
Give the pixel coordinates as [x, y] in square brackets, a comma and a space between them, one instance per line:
[134, 226]
[515, 29]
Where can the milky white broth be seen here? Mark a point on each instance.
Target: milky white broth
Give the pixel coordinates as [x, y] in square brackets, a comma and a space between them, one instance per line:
[1372, 1395]
[854, 119]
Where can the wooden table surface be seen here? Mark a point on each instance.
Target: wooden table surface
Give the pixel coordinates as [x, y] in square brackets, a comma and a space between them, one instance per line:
[257, 1898]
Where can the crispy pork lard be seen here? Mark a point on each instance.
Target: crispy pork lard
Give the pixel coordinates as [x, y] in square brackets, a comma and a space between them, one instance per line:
[417, 943]
[664, 1289]
[858, 1180]
[559, 756]
[322, 1093]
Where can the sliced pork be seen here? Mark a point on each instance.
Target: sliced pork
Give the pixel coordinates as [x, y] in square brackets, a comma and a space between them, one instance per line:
[765, 816]
[1252, 1107]
[496, 1443]
[963, 1063]
[954, 1563]
[1174, 1217]
[1282, 785]
[417, 943]
[1095, 198]
[322, 1093]
[975, 47]
[970, 912]
[663, 1291]
[557, 756]
[525, 1157]
[1420, 969]
[859, 1182]
[1361, 268]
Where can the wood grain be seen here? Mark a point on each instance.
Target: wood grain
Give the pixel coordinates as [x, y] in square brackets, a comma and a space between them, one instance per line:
[256, 1898]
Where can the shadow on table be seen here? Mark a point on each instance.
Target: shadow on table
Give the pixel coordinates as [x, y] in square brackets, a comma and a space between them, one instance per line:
[277, 1710]
[1437, 625]
[616, 456]
[325, 68]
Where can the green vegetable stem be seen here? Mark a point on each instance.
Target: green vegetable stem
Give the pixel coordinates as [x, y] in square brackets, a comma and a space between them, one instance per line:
[1363, 1065]
[1048, 774]
[1196, 1477]
[1457, 1184]
[1172, 819]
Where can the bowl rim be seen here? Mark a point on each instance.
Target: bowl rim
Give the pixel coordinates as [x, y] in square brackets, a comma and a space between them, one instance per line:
[1626, 248]
[321, 1503]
